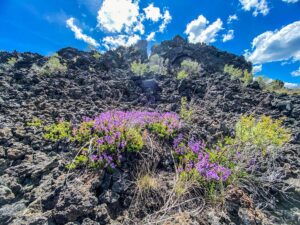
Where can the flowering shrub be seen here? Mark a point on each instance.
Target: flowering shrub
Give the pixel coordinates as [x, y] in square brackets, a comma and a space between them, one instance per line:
[194, 160]
[112, 133]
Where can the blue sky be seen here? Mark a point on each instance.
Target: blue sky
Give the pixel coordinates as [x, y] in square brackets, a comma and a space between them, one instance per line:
[268, 30]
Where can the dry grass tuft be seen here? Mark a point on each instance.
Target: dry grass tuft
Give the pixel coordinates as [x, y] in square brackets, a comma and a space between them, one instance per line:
[146, 182]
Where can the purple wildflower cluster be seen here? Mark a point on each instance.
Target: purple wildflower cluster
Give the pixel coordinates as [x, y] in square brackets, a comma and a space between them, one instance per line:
[119, 120]
[192, 157]
[115, 132]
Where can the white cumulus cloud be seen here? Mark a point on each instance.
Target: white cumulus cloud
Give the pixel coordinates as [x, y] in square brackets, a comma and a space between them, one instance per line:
[229, 36]
[290, 1]
[167, 18]
[278, 45]
[257, 68]
[291, 85]
[296, 73]
[118, 15]
[152, 13]
[258, 6]
[151, 36]
[199, 30]
[232, 18]
[112, 42]
[79, 35]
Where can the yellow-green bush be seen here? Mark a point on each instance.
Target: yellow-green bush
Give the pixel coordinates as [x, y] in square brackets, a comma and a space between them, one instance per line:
[58, 131]
[51, 66]
[139, 68]
[262, 132]
[182, 75]
[190, 66]
[234, 73]
[36, 122]
[185, 113]
[12, 61]
[158, 65]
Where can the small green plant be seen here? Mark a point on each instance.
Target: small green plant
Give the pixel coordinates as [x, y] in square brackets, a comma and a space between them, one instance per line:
[79, 160]
[158, 65]
[36, 122]
[182, 75]
[12, 61]
[190, 66]
[262, 132]
[186, 181]
[185, 113]
[51, 66]
[58, 131]
[233, 72]
[139, 68]
[247, 77]
[275, 85]
[134, 139]
[96, 55]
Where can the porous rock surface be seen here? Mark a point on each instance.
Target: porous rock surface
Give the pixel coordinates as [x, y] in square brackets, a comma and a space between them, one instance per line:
[35, 187]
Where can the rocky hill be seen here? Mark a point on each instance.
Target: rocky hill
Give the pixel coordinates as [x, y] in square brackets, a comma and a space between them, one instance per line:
[36, 187]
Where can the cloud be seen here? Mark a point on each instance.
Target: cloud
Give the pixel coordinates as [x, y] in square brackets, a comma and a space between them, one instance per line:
[296, 73]
[229, 36]
[112, 42]
[167, 18]
[118, 15]
[79, 35]
[257, 68]
[232, 18]
[258, 6]
[290, 1]
[278, 45]
[291, 85]
[198, 30]
[151, 36]
[124, 21]
[152, 13]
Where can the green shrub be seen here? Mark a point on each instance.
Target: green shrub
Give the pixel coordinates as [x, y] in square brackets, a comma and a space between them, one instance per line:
[139, 68]
[159, 129]
[36, 122]
[185, 113]
[262, 132]
[247, 77]
[58, 131]
[51, 66]
[12, 61]
[275, 85]
[134, 139]
[190, 66]
[83, 132]
[158, 65]
[96, 55]
[233, 72]
[182, 75]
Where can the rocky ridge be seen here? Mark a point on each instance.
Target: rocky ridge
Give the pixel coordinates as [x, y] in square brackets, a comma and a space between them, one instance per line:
[33, 187]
